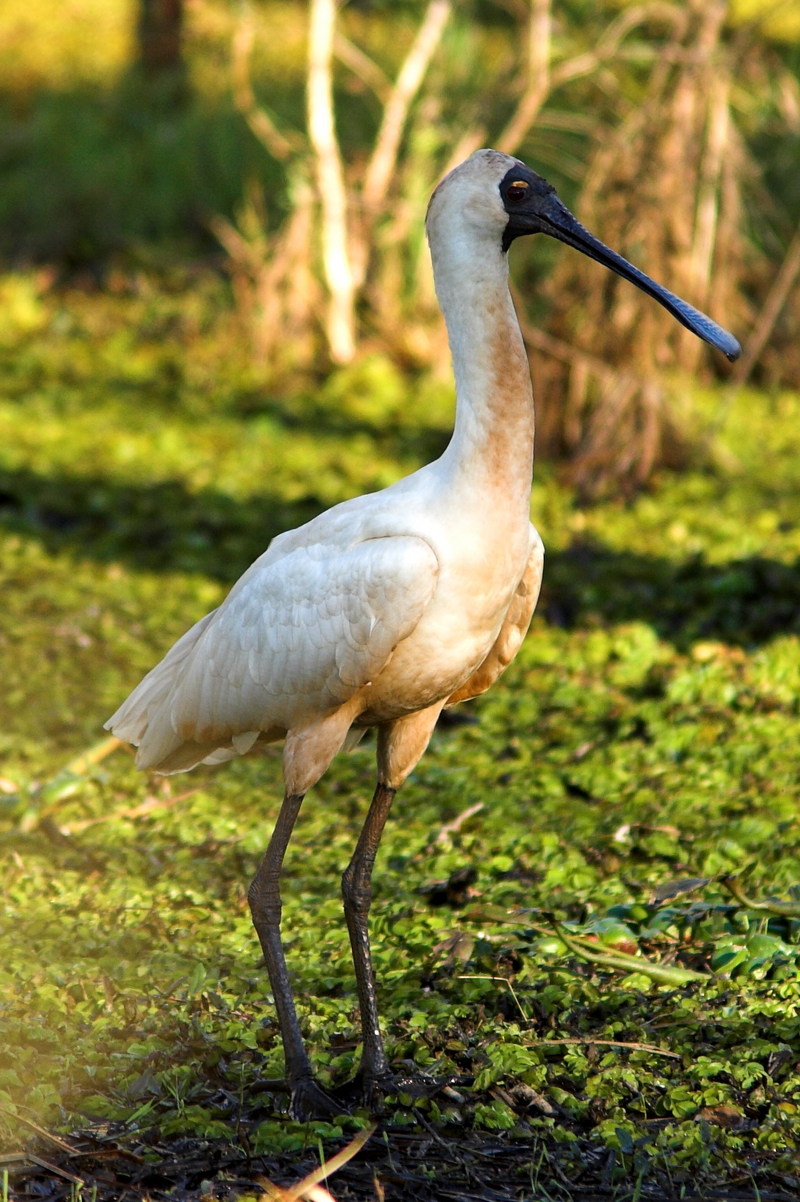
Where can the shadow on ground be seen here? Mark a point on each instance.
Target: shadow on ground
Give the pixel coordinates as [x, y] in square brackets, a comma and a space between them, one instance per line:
[166, 527]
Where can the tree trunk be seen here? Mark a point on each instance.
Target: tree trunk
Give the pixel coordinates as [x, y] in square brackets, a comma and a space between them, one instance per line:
[159, 31]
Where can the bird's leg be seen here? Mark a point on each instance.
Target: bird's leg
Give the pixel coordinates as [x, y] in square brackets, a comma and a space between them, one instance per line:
[400, 745]
[307, 1098]
[357, 894]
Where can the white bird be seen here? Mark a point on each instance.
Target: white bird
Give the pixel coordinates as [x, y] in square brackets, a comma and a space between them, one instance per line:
[390, 606]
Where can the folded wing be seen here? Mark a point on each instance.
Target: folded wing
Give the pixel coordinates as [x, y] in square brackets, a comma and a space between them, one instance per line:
[302, 630]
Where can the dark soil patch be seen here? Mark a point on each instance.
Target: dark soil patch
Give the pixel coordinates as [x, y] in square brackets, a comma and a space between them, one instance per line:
[109, 1164]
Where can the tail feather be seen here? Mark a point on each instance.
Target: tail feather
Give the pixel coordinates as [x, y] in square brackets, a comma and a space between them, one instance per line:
[144, 718]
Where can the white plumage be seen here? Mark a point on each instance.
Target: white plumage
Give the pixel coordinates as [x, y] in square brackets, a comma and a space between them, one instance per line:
[392, 605]
[306, 627]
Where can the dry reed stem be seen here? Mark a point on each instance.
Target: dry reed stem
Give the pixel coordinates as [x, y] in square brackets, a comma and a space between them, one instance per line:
[668, 186]
[383, 161]
[277, 278]
[337, 264]
[362, 66]
[771, 310]
[280, 145]
[537, 83]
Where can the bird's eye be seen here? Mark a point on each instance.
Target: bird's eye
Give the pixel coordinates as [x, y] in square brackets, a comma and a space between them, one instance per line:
[517, 190]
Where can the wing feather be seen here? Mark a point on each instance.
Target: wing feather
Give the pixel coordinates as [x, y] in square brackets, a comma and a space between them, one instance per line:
[303, 629]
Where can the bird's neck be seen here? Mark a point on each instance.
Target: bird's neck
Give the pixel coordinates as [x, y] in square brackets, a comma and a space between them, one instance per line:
[491, 450]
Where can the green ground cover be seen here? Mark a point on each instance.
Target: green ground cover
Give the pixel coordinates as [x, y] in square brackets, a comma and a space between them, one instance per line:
[648, 734]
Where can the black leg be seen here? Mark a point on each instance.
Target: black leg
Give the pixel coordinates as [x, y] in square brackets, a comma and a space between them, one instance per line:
[265, 906]
[357, 894]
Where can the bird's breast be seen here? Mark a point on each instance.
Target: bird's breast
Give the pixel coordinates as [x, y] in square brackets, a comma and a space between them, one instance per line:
[456, 632]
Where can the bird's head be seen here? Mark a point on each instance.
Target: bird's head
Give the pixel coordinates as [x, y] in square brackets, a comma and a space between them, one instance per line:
[494, 196]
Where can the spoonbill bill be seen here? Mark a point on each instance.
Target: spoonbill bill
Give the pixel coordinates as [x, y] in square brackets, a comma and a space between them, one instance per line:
[390, 606]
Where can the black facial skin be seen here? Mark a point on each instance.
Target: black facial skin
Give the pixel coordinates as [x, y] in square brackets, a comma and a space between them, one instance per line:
[534, 208]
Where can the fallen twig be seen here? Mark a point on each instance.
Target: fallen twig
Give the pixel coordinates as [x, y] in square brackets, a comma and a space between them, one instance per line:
[611, 1043]
[139, 811]
[779, 908]
[40, 1162]
[504, 980]
[665, 974]
[452, 828]
[42, 1132]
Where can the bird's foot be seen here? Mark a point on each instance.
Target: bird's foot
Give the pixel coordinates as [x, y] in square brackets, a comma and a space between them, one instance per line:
[371, 1088]
[409, 1080]
[310, 1101]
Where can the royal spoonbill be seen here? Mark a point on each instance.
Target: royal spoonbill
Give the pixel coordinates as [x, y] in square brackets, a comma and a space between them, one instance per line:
[389, 606]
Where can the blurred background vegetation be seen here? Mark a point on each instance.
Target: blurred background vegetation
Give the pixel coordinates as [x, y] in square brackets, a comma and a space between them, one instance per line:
[189, 142]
